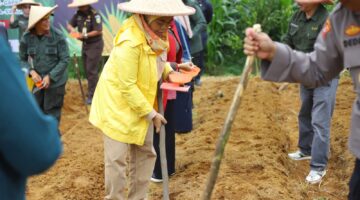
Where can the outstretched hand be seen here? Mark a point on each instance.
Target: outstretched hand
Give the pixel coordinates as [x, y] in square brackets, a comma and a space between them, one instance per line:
[259, 45]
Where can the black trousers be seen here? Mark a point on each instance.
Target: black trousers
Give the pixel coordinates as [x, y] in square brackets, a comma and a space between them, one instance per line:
[91, 55]
[198, 60]
[169, 142]
[354, 185]
[51, 100]
[183, 111]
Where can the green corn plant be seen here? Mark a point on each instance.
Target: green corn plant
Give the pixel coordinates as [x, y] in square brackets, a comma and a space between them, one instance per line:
[226, 31]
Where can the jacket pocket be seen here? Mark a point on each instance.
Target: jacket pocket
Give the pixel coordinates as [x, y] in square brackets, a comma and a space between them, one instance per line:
[293, 29]
[51, 53]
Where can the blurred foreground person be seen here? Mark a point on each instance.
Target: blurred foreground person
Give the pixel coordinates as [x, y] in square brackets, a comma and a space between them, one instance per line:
[336, 47]
[125, 97]
[44, 51]
[29, 141]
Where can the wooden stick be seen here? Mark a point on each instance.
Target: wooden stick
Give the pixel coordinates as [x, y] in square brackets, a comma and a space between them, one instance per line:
[283, 86]
[162, 147]
[77, 71]
[225, 133]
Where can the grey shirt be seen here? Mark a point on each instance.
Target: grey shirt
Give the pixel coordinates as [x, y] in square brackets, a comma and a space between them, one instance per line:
[337, 46]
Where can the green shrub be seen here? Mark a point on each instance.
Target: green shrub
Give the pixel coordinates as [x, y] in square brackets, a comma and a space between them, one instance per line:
[226, 31]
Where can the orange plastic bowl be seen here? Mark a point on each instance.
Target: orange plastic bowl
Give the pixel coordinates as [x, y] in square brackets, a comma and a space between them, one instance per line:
[193, 72]
[179, 78]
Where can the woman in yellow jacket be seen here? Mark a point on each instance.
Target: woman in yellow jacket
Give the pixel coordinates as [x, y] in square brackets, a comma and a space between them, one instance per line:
[124, 100]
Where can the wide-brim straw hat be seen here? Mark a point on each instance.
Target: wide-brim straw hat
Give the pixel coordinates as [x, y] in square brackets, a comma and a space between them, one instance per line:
[78, 3]
[316, 1]
[157, 7]
[26, 2]
[37, 13]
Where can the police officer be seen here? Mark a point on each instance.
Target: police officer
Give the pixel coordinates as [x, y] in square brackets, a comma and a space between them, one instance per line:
[336, 47]
[317, 103]
[21, 21]
[89, 25]
[45, 53]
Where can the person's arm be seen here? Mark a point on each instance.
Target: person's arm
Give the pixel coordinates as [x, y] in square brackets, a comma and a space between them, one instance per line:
[71, 25]
[29, 140]
[284, 64]
[288, 38]
[127, 56]
[63, 53]
[14, 23]
[23, 53]
[208, 11]
[97, 26]
[199, 20]
[184, 39]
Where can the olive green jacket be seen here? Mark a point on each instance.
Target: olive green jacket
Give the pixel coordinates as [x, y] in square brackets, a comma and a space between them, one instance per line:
[198, 25]
[302, 32]
[50, 55]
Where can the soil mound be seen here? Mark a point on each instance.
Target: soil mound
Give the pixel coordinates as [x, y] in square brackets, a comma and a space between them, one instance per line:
[255, 165]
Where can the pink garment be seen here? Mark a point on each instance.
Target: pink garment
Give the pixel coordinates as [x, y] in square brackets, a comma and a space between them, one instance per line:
[185, 22]
[171, 95]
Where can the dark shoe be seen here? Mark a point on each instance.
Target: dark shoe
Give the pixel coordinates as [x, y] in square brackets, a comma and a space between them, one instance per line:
[156, 180]
[88, 101]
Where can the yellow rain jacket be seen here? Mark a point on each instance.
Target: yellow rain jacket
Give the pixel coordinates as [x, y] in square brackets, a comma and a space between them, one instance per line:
[126, 91]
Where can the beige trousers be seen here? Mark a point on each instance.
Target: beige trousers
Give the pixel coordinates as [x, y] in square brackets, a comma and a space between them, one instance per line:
[141, 165]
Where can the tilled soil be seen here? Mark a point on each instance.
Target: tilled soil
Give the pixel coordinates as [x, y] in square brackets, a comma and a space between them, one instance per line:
[255, 163]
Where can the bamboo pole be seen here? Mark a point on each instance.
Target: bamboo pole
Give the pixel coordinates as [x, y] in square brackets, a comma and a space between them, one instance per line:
[162, 146]
[225, 132]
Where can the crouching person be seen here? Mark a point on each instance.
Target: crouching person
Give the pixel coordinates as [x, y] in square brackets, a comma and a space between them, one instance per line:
[125, 97]
[45, 53]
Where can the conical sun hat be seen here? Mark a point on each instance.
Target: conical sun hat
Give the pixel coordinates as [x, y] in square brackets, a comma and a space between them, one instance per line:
[316, 1]
[157, 7]
[78, 3]
[26, 2]
[37, 13]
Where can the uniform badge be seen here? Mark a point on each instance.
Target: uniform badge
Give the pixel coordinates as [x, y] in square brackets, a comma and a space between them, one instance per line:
[98, 19]
[314, 28]
[352, 30]
[327, 28]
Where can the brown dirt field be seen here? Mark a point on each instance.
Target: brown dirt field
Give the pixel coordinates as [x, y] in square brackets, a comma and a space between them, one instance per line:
[255, 165]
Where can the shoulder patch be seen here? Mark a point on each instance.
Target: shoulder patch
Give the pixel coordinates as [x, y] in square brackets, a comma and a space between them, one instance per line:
[98, 19]
[352, 30]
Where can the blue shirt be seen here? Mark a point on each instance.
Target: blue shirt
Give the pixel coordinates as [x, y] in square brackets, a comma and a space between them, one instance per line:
[29, 140]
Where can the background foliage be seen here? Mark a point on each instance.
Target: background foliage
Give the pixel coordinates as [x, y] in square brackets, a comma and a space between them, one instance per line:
[226, 31]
